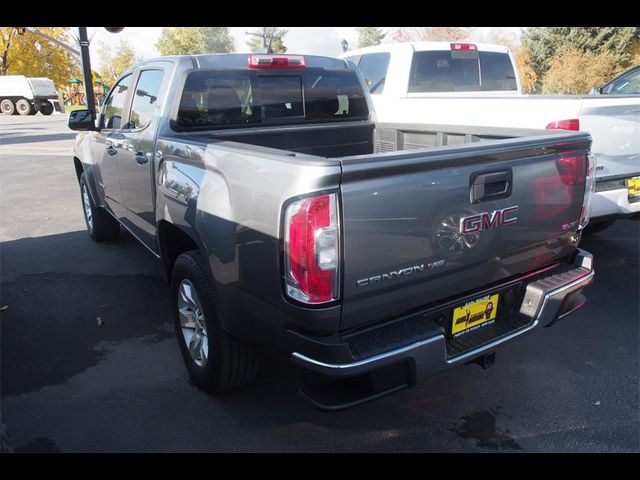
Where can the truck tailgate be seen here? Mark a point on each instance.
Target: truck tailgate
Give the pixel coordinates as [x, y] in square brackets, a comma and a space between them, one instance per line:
[421, 227]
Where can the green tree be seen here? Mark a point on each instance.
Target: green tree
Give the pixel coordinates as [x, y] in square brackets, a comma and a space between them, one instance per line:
[266, 35]
[194, 40]
[114, 63]
[31, 55]
[544, 44]
[368, 36]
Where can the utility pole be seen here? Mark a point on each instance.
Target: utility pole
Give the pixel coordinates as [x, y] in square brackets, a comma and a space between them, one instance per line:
[83, 54]
[86, 70]
[266, 47]
[51, 39]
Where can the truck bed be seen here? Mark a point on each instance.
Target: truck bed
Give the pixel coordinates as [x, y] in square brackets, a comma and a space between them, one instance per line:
[404, 194]
[357, 138]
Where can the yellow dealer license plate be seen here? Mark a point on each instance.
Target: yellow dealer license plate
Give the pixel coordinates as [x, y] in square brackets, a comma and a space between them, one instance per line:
[633, 189]
[474, 314]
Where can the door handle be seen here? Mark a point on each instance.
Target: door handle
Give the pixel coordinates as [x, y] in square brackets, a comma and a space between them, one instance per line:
[490, 185]
[141, 158]
[111, 150]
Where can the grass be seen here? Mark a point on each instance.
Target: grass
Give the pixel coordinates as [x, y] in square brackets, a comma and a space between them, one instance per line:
[71, 108]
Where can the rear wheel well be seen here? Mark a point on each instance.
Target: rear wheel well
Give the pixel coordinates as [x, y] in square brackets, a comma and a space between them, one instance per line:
[79, 170]
[172, 242]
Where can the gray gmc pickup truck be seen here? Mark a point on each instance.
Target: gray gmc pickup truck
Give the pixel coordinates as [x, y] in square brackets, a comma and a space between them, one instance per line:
[284, 215]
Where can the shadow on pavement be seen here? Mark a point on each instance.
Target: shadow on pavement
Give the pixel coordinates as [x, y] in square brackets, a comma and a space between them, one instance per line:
[14, 140]
[49, 329]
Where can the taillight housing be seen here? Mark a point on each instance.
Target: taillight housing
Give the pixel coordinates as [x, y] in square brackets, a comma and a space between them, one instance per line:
[573, 170]
[312, 249]
[570, 124]
[589, 189]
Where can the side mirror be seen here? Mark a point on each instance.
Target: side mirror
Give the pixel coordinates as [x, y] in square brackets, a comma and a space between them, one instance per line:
[596, 91]
[81, 120]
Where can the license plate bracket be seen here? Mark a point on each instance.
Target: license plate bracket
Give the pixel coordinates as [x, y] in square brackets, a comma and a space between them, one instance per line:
[474, 314]
[633, 189]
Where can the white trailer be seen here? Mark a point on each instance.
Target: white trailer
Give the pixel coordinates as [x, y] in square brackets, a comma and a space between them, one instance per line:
[26, 96]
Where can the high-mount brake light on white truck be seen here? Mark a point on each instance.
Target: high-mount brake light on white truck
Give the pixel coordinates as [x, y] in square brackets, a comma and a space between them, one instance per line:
[276, 61]
[311, 249]
[464, 47]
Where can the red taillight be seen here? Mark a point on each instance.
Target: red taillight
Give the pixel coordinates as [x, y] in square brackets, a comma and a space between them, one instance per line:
[573, 170]
[463, 47]
[311, 249]
[571, 124]
[557, 193]
[276, 61]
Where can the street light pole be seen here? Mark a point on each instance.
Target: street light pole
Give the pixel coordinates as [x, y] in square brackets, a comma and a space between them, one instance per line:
[86, 70]
[266, 48]
[52, 40]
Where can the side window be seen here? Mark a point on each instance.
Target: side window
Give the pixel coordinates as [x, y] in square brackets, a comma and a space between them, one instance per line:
[627, 85]
[114, 106]
[145, 100]
[374, 69]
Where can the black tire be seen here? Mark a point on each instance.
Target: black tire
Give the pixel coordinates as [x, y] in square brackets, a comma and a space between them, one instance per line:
[230, 363]
[598, 226]
[7, 107]
[102, 227]
[46, 108]
[24, 107]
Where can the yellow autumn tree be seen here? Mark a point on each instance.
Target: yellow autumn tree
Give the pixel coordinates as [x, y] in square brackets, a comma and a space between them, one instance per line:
[116, 62]
[31, 55]
[635, 54]
[528, 75]
[577, 72]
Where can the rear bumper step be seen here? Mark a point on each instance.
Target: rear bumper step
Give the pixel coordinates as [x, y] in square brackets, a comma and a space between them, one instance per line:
[545, 301]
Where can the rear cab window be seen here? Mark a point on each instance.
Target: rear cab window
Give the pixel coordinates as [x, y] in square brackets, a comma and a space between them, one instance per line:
[232, 98]
[461, 71]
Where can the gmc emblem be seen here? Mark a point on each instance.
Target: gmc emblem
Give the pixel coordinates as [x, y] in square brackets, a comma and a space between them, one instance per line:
[485, 221]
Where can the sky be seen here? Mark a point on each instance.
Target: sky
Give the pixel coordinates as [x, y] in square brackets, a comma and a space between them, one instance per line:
[303, 40]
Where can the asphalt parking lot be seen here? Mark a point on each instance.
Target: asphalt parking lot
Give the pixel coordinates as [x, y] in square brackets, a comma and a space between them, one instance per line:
[72, 383]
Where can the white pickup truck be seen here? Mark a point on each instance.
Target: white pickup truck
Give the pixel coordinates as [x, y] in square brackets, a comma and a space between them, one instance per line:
[476, 84]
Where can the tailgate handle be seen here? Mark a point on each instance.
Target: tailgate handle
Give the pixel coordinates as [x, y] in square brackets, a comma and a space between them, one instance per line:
[487, 186]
